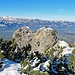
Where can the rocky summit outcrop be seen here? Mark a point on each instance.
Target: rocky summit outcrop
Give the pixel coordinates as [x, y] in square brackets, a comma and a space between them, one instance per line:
[23, 36]
[40, 41]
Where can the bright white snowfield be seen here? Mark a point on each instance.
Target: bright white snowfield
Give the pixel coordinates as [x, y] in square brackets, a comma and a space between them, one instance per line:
[10, 68]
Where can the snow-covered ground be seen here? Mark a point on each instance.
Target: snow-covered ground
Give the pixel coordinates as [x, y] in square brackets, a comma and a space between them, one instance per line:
[66, 50]
[13, 68]
[10, 68]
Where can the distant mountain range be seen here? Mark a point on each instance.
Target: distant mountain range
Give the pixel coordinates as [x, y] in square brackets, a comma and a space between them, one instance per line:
[9, 24]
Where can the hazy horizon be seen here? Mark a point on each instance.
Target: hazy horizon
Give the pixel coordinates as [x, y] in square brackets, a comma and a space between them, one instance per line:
[39, 9]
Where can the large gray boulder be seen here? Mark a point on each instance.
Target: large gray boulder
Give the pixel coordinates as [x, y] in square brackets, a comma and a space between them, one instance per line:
[23, 36]
[40, 41]
[43, 39]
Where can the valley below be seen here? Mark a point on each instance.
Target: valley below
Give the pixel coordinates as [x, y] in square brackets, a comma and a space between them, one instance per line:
[65, 29]
[66, 36]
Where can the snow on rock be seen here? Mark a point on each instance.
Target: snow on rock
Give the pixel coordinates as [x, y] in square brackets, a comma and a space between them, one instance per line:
[67, 50]
[25, 27]
[10, 68]
[46, 28]
[63, 43]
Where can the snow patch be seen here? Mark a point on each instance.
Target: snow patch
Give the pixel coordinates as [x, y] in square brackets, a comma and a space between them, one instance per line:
[46, 28]
[11, 68]
[2, 25]
[67, 50]
[63, 44]
[46, 64]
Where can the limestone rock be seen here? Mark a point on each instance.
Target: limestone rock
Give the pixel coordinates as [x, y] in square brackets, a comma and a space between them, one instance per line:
[40, 41]
[43, 39]
[23, 36]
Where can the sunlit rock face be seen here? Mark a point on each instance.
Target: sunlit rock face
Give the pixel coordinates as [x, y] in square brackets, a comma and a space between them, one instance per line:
[43, 39]
[23, 36]
[39, 41]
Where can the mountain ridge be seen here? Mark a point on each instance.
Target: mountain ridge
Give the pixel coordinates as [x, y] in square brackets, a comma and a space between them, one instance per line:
[9, 24]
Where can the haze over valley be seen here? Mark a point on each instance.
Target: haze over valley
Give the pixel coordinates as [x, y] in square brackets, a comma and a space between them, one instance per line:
[64, 28]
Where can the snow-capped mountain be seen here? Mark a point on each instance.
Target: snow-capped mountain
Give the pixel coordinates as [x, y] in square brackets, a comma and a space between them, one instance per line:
[9, 24]
[18, 22]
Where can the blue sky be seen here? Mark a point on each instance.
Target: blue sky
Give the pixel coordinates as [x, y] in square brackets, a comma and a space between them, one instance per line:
[42, 9]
